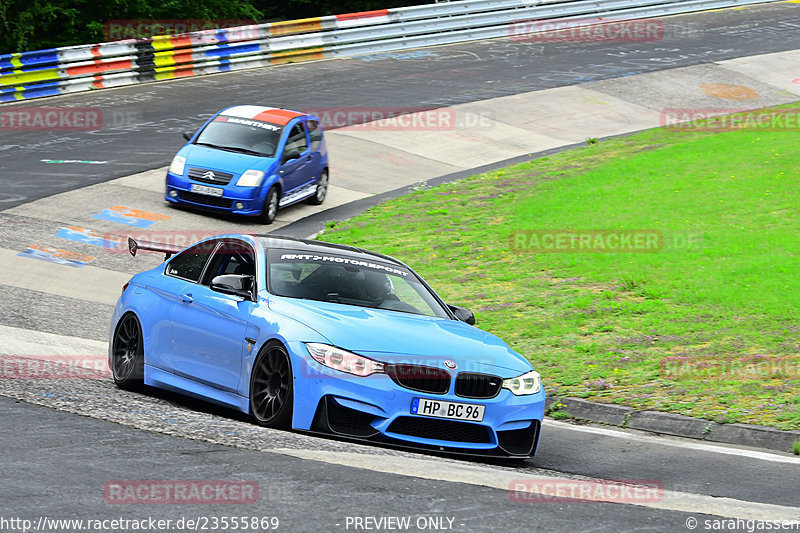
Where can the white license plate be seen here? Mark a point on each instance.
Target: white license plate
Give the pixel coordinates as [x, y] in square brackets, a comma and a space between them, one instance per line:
[453, 410]
[202, 189]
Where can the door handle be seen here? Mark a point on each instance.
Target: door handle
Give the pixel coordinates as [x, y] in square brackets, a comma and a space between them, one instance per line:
[186, 298]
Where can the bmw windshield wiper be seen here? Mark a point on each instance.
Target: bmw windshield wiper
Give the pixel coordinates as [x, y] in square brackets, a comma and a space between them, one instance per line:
[231, 149]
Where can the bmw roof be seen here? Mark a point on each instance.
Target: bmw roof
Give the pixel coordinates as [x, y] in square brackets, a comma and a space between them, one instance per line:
[320, 247]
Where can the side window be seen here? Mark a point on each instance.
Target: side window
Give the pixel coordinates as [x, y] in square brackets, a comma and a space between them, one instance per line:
[189, 264]
[297, 140]
[232, 257]
[314, 133]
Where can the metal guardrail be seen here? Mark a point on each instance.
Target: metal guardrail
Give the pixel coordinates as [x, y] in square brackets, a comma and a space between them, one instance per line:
[72, 69]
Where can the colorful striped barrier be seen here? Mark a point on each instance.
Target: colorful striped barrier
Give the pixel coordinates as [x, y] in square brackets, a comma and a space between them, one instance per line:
[73, 69]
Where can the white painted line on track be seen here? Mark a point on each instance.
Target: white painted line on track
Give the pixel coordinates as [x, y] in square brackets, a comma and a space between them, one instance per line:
[661, 441]
[488, 476]
[19, 341]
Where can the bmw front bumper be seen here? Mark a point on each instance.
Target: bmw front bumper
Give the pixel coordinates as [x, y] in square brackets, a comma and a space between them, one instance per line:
[377, 408]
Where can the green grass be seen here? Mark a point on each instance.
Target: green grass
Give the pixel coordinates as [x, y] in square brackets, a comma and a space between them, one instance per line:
[603, 326]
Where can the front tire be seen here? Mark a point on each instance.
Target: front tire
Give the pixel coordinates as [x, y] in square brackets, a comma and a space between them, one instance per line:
[322, 189]
[127, 354]
[271, 387]
[270, 209]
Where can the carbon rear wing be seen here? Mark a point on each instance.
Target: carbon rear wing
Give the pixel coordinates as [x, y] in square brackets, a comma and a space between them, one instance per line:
[167, 249]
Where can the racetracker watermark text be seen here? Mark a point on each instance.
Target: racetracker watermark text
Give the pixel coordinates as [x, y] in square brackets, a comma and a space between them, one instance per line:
[559, 490]
[178, 238]
[399, 118]
[731, 368]
[51, 119]
[177, 492]
[728, 119]
[594, 29]
[54, 367]
[117, 30]
[67, 118]
[600, 241]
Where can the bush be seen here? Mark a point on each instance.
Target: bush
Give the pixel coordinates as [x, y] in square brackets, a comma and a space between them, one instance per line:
[36, 24]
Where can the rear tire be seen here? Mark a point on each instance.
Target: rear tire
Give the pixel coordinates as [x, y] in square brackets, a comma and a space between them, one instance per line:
[322, 189]
[270, 209]
[127, 354]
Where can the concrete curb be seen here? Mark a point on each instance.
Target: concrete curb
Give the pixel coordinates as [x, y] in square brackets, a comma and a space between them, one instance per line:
[675, 424]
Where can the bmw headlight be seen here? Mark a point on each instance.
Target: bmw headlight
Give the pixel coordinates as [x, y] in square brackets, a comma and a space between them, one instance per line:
[176, 167]
[251, 178]
[529, 383]
[342, 360]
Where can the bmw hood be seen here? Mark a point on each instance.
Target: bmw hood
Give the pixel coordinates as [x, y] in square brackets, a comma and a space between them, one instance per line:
[396, 337]
[215, 159]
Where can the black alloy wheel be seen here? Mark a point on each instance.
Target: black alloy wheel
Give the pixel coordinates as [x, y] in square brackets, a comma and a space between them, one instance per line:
[271, 387]
[127, 354]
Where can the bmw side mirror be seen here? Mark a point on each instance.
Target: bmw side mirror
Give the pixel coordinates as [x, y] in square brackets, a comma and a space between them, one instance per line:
[463, 314]
[187, 135]
[234, 284]
[294, 154]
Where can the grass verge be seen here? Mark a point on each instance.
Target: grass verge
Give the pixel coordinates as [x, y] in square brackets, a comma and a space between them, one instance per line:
[704, 326]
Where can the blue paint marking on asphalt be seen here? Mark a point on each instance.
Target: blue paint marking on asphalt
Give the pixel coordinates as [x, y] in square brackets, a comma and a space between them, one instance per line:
[87, 236]
[119, 218]
[49, 257]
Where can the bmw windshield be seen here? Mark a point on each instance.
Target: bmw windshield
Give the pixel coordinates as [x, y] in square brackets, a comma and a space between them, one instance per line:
[241, 135]
[351, 281]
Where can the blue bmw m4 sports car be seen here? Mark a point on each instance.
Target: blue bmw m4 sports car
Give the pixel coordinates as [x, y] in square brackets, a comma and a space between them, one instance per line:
[325, 338]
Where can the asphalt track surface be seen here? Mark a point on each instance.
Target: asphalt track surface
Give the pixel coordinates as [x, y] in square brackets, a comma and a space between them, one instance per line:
[301, 494]
[142, 123]
[63, 475]
[56, 463]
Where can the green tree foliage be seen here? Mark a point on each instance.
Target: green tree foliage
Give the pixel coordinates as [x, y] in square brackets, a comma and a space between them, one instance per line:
[296, 9]
[37, 24]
